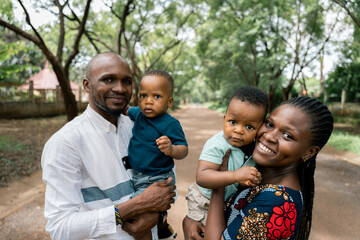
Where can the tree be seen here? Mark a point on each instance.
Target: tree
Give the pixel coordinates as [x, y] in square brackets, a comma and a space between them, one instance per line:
[18, 59]
[262, 44]
[60, 63]
[149, 34]
[345, 77]
[347, 6]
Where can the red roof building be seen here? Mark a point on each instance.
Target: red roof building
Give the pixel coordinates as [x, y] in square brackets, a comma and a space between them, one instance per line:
[45, 80]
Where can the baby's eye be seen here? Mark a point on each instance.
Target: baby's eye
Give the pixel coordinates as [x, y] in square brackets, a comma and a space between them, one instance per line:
[142, 95]
[157, 96]
[288, 136]
[232, 122]
[268, 124]
[249, 127]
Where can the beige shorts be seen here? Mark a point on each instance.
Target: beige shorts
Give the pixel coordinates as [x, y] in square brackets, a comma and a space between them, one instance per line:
[198, 204]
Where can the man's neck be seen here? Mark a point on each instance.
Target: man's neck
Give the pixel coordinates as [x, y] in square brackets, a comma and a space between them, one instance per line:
[112, 119]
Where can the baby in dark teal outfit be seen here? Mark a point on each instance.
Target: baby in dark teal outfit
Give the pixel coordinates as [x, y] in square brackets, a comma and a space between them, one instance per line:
[158, 138]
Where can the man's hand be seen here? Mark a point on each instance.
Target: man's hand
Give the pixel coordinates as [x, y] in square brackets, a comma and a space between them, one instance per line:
[158, 196]
[164, 145]
[248, 176]
[141, 224]
[193, 229]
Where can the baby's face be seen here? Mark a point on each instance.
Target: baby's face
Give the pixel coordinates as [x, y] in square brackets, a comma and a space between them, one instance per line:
[155, 97]
[242, 120]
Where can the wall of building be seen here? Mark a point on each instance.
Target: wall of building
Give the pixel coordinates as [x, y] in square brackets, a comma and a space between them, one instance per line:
[34, 109]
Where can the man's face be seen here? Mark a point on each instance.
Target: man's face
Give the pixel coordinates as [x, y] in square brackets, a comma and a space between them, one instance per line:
[109, 85]
[155, 97]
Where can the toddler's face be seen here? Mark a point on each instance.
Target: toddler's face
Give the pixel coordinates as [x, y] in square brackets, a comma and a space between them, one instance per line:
[242, 120]
[155, 97]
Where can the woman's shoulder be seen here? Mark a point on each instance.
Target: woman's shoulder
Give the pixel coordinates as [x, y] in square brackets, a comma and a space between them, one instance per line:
[275, 191]
[264, 207]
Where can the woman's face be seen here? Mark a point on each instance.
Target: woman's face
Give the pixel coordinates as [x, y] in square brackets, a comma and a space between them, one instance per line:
[284, 138]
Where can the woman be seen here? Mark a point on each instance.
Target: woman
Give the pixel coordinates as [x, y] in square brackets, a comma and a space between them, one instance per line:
[281, 206]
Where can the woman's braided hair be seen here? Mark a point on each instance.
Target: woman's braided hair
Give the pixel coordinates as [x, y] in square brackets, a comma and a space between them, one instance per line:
[321, 129]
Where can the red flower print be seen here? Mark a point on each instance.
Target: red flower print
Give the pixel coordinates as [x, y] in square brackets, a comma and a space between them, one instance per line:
[241, 204]
[282, 222]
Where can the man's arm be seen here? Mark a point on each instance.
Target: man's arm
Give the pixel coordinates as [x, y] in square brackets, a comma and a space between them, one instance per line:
[193, 229]
[62, 168]
[140, 214]
[156, 198]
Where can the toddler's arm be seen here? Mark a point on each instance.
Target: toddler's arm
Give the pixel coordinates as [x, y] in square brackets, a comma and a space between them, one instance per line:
[208, 176]
[174, 151]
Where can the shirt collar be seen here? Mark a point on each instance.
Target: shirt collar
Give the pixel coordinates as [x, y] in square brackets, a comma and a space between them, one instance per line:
[100, 121]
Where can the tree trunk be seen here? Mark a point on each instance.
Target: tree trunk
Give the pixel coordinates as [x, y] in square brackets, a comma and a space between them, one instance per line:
[69, 98]
[271, 96]
[343, 98]
[285, 93]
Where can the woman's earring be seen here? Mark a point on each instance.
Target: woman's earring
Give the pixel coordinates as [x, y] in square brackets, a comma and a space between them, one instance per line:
[305, 159]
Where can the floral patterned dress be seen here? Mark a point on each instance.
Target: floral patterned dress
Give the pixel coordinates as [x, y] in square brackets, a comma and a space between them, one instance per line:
[264, 212]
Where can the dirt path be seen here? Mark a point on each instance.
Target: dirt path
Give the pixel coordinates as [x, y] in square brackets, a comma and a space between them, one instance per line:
[199, 125]
[22, 204]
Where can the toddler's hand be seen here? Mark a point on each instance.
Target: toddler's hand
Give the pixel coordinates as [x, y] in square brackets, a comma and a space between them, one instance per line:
[248, 176]
[165, 145]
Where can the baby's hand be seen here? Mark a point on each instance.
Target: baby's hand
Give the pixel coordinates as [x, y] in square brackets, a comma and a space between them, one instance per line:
[165, 145]
[248, 176]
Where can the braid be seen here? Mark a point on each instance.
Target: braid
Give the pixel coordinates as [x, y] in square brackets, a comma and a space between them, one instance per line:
[306, 172]
[321, 129]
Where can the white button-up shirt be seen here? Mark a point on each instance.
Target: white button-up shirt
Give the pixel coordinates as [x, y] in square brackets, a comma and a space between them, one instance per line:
[85, 177]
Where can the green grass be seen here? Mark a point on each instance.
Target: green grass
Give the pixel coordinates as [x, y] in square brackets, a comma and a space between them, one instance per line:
[10, 143]
[349, 120]
[345, 141]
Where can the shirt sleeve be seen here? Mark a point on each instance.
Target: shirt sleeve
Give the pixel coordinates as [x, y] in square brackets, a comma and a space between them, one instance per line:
[176, 134]
[63, 200]
[133, 113]
[212, 151]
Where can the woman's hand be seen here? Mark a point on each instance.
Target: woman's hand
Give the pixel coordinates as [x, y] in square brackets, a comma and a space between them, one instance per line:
[224, 165]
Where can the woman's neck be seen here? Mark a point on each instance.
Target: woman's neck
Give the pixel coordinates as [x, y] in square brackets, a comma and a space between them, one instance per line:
[280, 176]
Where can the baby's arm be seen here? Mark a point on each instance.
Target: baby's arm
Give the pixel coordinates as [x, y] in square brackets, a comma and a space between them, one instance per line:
[174, 151]
[208, 176]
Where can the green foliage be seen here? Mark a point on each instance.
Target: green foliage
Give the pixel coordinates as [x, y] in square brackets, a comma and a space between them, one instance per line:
[6, 10]
[9, 143]
[345, 77]
[345, 141]
[251, 43]
[18, 59]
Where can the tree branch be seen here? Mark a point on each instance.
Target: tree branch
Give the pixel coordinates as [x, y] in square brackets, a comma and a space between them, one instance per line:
[61, 40]
[78, 38]
[174, 58]
[163, 52]
[353, 17]
[41, 41]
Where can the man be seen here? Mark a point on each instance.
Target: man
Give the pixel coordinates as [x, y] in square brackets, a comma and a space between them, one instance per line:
[86, 181]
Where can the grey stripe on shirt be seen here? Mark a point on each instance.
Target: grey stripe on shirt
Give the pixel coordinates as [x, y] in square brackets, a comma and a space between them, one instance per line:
[115, 193]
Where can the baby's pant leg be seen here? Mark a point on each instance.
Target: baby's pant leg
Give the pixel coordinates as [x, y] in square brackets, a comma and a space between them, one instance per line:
[198, 204]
